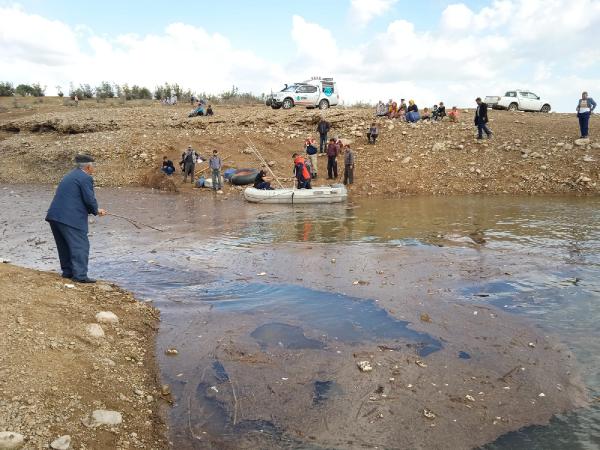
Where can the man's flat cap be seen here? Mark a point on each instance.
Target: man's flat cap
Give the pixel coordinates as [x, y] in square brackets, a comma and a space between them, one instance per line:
[81, 159]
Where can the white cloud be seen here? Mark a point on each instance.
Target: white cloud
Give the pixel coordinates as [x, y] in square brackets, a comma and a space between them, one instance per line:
[363, 11]
[547, 46]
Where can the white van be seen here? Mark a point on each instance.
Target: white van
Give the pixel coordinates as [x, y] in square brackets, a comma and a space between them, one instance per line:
[314, 93]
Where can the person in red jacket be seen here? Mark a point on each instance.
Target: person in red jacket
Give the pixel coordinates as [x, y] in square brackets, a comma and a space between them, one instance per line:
[301, 172]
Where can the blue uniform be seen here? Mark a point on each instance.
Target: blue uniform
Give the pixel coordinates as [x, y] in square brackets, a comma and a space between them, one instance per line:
[68, 214]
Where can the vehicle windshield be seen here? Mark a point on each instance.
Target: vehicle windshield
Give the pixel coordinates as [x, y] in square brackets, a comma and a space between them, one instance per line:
[291, 88]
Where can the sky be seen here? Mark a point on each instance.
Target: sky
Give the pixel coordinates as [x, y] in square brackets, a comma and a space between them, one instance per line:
[426, 50]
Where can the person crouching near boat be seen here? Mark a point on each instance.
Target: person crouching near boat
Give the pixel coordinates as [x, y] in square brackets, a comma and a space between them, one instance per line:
[262, 182]
[301, 172]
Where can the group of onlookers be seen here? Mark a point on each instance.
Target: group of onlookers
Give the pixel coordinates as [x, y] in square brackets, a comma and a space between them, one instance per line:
[189, 159]
[410, 112]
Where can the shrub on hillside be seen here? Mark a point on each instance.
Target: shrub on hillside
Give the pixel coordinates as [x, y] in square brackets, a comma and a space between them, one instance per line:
[6, 89]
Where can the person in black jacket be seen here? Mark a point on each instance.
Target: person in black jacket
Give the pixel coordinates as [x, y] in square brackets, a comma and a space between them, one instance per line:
[481, 119]
[323, 128]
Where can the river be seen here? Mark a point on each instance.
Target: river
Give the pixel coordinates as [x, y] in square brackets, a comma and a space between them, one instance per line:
[272, 307]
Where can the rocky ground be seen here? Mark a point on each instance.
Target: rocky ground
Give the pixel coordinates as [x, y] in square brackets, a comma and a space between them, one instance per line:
[530, 153]
[72, 379]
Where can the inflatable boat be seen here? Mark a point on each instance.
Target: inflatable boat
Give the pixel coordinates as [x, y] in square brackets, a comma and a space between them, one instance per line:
[336, 193]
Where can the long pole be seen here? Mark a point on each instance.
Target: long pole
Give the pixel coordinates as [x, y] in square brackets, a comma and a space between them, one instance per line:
[262, 160]
[135, 223]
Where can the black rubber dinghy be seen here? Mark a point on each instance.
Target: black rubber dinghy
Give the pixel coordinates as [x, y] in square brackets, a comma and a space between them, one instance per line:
[242, 177]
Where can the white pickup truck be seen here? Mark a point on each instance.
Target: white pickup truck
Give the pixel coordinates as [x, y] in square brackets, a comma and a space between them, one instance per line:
[518, 100]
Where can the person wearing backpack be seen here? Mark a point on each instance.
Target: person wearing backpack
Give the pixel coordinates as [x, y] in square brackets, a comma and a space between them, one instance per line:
[311, 151]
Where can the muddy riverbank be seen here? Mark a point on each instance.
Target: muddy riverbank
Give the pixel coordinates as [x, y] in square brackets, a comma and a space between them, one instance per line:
[272, 309]
[59, 363]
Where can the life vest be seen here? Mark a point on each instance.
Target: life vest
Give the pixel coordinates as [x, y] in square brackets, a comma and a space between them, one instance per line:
[301, 169]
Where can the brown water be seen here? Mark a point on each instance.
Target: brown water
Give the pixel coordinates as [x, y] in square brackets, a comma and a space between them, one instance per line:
[243, 336]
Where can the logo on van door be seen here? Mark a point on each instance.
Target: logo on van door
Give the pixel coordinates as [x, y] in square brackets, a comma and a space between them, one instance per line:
[328, 90]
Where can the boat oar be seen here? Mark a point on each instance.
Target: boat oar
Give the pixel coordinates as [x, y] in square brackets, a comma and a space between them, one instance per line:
[135, 223]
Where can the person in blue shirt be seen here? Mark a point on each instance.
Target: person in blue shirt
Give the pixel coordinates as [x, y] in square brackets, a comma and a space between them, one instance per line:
[73, 202]
[585, 108]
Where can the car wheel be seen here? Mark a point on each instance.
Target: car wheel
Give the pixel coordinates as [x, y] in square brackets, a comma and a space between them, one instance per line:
[513, 107]
[288, 103]
[323, 104]
[545, 109]
[269, 102]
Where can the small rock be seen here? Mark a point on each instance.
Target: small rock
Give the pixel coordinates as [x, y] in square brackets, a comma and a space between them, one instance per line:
[62, 443]
[568, 147]
[10, 440]
[581, 142]
[406, 160]
[105, 287]
[271, 163]
[438, 146]
[104, 417]
[165, 389]
[95, 330]
[107, 317]
[364, 366]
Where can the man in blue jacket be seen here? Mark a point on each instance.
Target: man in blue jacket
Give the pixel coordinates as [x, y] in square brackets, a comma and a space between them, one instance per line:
[73, 201]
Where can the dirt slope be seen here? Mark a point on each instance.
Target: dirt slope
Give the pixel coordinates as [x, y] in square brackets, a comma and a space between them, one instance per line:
[530, 153]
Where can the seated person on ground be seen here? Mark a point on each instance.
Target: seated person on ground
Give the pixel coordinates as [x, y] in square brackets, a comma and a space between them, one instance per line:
[209, 111]
[262, 181]
[167, 166]
[393, 110]
[199, 111]
[372, 133]
[301, 172]
[453, 114]
[412, 114]
[425, 115]
[381, 109]
[441, 111]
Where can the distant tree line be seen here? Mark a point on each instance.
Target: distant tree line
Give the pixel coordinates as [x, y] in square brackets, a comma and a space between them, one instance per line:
[106, 90]
[7, 89]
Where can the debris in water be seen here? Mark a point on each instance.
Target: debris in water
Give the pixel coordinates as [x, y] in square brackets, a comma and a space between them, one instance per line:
[470, 398]
[214, 388]
[333, 260]
[425, 318]
[429, 414]
[365, 366]
[531, 344]
[541, 394]
[69, 286]
[171, 351]
[360, 282]
[262, 274]
[420, 363]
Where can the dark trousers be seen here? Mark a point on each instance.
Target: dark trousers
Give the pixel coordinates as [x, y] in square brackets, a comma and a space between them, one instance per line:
[73, 249]
[348, 174]
[584, 123]
[332, 167]
[265, 186]
[372, 137]
[481, 127]
[304, 184]
[188, 169]
[322, 142]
